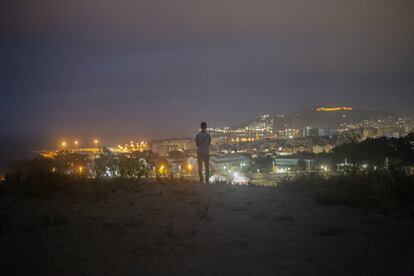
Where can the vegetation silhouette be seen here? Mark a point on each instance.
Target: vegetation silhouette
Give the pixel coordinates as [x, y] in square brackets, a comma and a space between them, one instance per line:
[376, 174]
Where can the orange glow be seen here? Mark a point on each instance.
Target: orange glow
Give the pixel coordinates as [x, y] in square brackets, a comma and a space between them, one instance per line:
[162, 170]
[333, 109]
[243, 139]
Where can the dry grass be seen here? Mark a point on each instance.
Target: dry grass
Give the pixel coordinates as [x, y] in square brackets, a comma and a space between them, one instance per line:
[188, 228]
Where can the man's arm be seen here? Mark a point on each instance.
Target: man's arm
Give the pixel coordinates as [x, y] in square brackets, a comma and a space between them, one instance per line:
[196, 140]
[209, 140]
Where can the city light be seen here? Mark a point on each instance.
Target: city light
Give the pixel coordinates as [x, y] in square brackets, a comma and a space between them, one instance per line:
[162, 170]
[333, 109]
[280, 170]
[217, 178]
[288, 141]
[132, 147]
[239, 179]
[80, 169]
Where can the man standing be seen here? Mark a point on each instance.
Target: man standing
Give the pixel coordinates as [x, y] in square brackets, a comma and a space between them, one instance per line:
[203, 141]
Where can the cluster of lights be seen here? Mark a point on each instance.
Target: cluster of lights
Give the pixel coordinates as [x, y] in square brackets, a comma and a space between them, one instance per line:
[139, 146]
[188, 167]
[233, 151]
[239, 179]
[282, 170]
[243, 139]
[258, 127]
[79, 169]
[334, 109]
[288, 133]
[65, 144]
[324, 168]
[162, 170]
[378, 127]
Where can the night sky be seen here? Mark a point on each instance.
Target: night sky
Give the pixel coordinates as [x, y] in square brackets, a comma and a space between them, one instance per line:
[120, 69]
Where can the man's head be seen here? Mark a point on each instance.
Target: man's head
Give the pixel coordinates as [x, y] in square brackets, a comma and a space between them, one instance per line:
[203, 125]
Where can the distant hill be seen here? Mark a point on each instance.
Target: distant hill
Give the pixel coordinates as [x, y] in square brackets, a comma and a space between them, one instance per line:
[324, 119]
[319, 119]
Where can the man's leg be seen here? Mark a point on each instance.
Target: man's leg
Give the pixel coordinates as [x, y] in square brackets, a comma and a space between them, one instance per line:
[207, 166]
[200, 167]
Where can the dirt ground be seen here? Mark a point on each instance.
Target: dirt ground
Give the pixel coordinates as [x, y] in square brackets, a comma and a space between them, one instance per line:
[201, 229]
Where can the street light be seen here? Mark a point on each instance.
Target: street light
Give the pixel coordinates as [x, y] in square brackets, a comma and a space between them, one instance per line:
[63, 144]
[96, 142]
[161, 170]
[76, 143]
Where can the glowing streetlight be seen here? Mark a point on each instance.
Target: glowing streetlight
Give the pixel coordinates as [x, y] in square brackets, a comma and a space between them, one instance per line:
[96, 141]
[190, 167]
[76, 143]
[63, 144]
[80, 169]
[324, 168]
[162, 170]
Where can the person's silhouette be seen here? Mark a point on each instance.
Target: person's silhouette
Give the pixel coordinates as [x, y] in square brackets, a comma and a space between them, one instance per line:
[203, 140]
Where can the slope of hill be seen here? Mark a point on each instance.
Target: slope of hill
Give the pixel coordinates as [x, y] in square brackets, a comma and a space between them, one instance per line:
[323, 119]
[189, 229]
[318, 119]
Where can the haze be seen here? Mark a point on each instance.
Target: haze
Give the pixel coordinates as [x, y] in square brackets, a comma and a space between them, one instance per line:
[157, 68]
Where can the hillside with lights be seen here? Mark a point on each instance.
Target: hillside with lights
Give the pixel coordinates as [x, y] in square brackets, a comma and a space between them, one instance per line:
[331, 117]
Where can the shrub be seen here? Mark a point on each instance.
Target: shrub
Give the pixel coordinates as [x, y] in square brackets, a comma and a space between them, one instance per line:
[384, 191]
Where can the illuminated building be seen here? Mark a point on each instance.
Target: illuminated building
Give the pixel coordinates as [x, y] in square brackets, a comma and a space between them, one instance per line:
[334, 109]
[288, 133]
[131, 147]
[260, 127]
[163, 147]
[227, 163]
[321, 148]
[310, 132]
[285, 165]
[369, 133]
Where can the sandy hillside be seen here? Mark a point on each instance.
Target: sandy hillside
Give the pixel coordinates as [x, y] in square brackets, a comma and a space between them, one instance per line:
[198, 229]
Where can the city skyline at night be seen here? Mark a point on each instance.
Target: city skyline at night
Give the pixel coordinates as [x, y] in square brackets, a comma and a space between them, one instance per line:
[212, 137]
